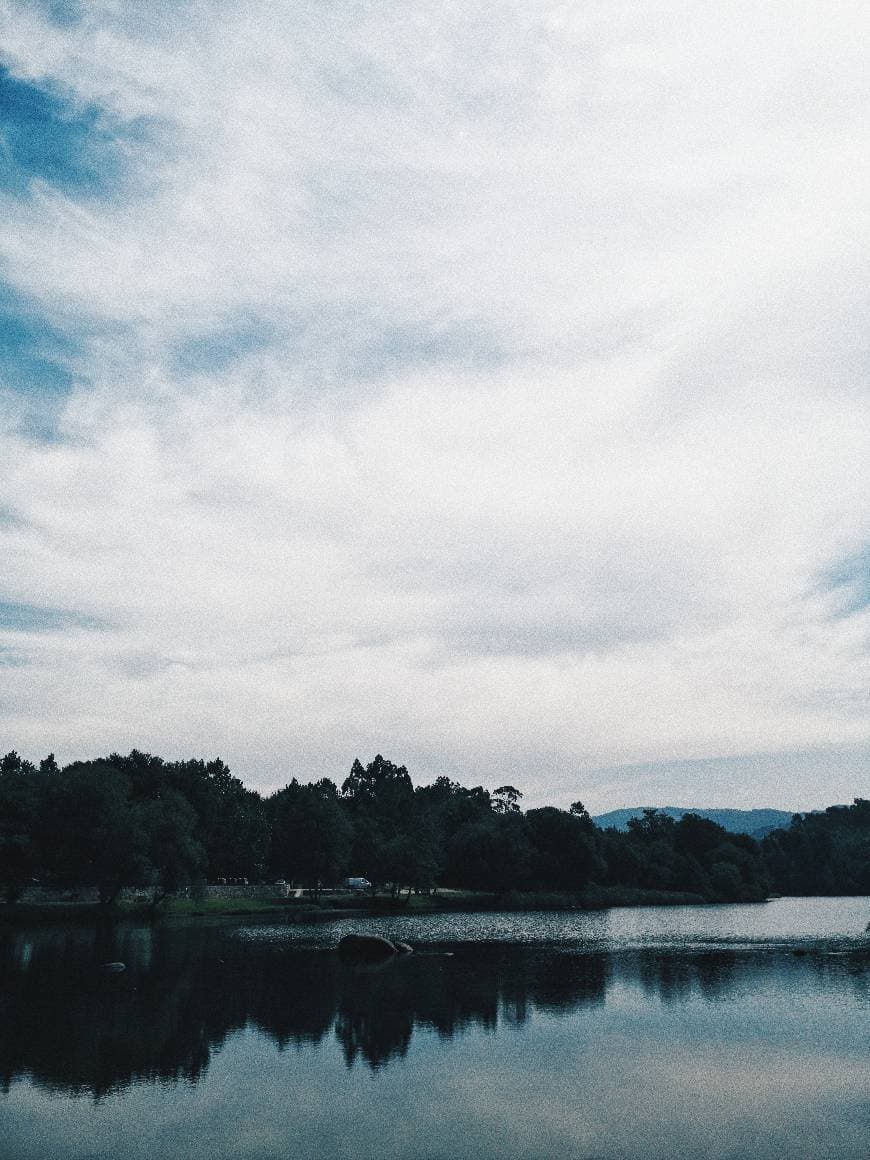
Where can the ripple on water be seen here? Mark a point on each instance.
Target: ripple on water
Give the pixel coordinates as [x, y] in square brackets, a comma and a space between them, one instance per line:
[839, 923]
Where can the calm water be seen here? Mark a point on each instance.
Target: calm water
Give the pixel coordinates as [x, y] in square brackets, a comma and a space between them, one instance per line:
[727, 1032]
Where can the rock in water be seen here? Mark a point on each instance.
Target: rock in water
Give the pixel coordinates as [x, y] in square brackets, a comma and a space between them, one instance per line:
[114, 967]
[366, 948]
[404, 948]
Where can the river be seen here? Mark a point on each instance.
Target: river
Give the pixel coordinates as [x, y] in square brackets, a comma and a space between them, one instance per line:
[722, 1032]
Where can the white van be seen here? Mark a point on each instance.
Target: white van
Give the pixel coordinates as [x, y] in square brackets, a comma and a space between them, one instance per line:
[357, 884]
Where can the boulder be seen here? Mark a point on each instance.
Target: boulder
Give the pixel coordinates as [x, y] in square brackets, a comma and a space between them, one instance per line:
[366, 948]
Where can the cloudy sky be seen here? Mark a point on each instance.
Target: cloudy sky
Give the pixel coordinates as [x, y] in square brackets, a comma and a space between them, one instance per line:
[482, 384]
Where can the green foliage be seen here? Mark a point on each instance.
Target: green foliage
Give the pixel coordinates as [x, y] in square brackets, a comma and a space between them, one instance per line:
[564, 854]
[311, 835]
[230, 821]
[137, 820]
[381, 786]
[167, 825]
[506, 800]
[18, 811]
[825, 853]
[491, 853]
[89, 830]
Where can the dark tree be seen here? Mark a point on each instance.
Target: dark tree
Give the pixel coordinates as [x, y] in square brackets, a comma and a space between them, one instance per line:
[310, 835]
[174, 856]
[564, 849]
[19, 803]
[139, 820]
[90, 834]
[824, 853]
[506, 800]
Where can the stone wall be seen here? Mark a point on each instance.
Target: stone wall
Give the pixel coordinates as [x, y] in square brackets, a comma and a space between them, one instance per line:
[44, 895]
[40, 895]
[267, 890]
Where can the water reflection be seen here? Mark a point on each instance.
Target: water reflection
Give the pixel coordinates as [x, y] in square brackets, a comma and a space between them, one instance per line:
[73, 1027]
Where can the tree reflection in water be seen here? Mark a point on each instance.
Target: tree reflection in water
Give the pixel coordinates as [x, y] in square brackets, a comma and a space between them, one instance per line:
[73, 1027]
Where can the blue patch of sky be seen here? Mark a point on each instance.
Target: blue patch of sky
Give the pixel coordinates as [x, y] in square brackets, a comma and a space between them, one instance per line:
[8, 517]
[78, 149]
[35, 356]
[221, 347]
[63, 13]
[36, 365]
[335, 346]
[12, 659]
[17, 617]
[850, 581]
[366, 350]
[455, 344]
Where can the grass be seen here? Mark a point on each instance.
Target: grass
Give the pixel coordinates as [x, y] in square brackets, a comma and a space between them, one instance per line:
[26, 914]
[221, 906]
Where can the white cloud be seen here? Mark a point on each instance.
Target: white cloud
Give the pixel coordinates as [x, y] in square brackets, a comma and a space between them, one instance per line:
[545, 414]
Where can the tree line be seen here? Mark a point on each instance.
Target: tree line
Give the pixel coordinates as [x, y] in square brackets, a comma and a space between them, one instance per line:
[140, 821]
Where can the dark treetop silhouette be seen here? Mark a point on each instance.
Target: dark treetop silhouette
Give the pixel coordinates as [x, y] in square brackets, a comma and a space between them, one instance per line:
[138, 820]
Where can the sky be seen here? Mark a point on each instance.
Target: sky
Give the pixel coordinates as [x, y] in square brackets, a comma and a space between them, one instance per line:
[483, 385]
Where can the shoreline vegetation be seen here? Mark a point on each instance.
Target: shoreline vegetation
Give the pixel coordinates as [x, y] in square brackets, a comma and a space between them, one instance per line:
[145, 837]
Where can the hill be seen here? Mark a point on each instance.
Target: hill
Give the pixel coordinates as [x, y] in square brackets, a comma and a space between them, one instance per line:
[755, 822]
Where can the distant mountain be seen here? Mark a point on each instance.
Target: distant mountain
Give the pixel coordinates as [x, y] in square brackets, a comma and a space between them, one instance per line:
[754, 822]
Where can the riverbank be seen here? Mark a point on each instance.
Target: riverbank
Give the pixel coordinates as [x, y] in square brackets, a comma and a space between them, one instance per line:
[332, 906]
